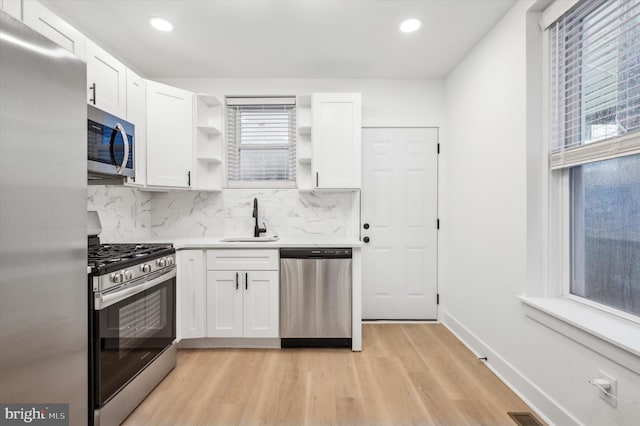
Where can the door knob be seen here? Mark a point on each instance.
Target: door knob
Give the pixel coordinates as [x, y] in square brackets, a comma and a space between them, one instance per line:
[365, 239]
[365, 226]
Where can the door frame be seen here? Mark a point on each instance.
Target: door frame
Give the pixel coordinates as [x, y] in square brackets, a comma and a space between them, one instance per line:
[437, 129]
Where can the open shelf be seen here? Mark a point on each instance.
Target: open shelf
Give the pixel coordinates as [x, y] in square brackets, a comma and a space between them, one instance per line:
[208, 144]
[211, 160]
[304, 130]
[304, 100]
[209, 100]
[210, 130]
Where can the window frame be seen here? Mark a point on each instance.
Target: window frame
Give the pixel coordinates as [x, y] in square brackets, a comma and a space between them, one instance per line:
[261, 184]
[560, 220]
[546, 298]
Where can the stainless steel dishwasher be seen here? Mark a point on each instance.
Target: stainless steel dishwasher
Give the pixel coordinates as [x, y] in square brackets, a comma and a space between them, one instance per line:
[315, 297]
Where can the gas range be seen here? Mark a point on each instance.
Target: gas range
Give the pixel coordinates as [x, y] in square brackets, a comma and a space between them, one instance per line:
[121, 264]
[132, 322]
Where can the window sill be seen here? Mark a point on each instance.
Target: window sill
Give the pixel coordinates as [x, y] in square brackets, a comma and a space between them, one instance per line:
[612, 337]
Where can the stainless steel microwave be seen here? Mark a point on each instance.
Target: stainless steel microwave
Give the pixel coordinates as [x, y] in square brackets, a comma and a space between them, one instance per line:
[110, 146]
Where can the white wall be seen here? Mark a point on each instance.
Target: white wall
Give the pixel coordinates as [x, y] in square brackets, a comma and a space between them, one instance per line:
[385, 102]
[289, 213]
[487, 207]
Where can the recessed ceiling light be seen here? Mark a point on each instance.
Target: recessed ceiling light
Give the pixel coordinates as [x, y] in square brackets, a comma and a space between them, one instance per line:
[410, 25]
[161, 24]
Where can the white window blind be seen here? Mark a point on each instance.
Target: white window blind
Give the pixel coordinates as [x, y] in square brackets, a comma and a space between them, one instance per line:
[261, 142]
[595, 82]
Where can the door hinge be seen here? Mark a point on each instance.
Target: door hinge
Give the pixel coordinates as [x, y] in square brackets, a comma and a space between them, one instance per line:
[437, 298]
[437, 223]
[438, 148]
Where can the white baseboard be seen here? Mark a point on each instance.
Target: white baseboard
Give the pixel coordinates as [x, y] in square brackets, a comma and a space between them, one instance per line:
[540, 402]
[230, 343]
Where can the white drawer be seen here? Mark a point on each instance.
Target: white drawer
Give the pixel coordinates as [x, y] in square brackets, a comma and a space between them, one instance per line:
[242, 260]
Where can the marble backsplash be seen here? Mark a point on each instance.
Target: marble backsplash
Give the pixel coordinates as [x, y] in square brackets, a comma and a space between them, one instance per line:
[125, 213]
[129, 214]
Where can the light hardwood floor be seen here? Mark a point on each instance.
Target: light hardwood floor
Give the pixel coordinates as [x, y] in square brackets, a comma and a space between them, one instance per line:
[406, 374]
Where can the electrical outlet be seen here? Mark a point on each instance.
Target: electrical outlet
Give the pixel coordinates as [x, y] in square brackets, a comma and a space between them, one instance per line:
[613, 389]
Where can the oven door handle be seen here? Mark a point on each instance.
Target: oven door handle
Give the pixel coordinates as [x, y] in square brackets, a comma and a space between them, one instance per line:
[105, 300]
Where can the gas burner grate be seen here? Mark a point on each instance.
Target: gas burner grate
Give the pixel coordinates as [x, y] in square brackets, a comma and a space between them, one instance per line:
[110, 255]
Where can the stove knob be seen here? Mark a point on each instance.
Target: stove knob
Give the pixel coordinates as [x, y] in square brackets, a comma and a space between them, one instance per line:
[162, 262]
[145, 268]
[170, 261]
[128, 275]
[117, 277]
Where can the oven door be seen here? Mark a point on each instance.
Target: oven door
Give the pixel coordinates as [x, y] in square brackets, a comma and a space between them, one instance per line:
[131, 327]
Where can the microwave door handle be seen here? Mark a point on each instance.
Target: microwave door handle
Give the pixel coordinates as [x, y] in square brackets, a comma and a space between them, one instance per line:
[125, 139]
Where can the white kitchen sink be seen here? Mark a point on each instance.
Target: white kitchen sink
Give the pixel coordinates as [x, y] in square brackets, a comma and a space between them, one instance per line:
[250, 239]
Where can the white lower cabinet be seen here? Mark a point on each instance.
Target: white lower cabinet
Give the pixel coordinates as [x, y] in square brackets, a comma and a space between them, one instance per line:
[228, 293]
[243, 293]
[192, 319]
[242, 303]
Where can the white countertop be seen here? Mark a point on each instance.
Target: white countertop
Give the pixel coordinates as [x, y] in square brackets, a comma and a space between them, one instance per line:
[215, 242]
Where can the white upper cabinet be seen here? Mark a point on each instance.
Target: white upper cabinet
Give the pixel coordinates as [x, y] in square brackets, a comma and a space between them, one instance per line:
[49, 25]
[12, 7]
[336, 135]
[137, 114]
[106, 81]
[169, 136]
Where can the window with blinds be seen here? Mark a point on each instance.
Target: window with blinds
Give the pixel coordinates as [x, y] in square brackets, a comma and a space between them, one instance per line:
[595, 82]
[261, 142]
[595, 144]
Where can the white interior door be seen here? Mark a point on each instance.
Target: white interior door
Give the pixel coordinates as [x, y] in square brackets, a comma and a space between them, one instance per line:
[399, 207]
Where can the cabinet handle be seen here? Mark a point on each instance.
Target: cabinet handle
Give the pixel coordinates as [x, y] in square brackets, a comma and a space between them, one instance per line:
[236, 280]
[317, 179]
[93, 89]
[246, 281]
[189, 178]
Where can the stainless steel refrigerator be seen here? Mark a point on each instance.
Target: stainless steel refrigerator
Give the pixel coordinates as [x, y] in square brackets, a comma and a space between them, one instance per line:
[43, 242]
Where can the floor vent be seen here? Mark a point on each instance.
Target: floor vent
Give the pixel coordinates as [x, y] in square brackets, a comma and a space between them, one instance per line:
[525, 419]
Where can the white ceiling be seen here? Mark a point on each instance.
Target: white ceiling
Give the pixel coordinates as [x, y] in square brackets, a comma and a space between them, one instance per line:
[286, 38]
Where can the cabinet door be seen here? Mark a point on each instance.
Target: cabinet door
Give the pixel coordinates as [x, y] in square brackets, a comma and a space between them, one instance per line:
[106, 80]
[336, 140]
[261, 304]
[12, 7]
[191, 282]
[51, 26]
[224, 303]
[169, 135]
[137, 114]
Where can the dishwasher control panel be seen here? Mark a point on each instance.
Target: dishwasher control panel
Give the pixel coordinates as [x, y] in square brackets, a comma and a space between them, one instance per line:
[315, 253]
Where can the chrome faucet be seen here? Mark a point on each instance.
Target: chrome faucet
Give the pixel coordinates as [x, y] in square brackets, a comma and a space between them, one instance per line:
[256, 229]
